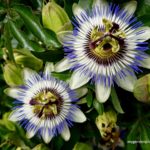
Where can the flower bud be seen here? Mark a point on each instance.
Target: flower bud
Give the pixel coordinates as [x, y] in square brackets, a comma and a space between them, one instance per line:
[55, 18]
[142, 89]
[25, 58]
[106, 121]
[12, 74]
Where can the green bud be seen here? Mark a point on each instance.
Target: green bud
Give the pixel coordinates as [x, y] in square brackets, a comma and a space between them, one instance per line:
[82, 146]
[55, 18]
[12, 74]
[107, 119]
[142, 89]
[25, 58]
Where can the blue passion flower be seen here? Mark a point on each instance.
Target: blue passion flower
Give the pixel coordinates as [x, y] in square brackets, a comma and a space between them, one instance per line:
[106, 46]
[45, 105]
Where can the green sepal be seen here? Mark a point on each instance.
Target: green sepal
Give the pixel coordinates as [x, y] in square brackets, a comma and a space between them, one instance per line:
[98, 106]
[115, 101]
[12, 74]
[25, 58]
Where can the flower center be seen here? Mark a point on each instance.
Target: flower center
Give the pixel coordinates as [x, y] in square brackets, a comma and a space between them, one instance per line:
[46, 104]
[106, 43]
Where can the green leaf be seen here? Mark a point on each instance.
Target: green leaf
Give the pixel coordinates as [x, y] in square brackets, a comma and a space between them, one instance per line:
[82, 146]
[48, 37]
[132, 136]
[145, 145]
[115, 101]
[68, 7]
[145, 19]
[2, 8]
[143, 11]
[23, 39]
[37, 4]
[58, 142]
[85, 4]
[40, 147]
[89, 98]
[143, 7]
[98, 106]
[7, 39]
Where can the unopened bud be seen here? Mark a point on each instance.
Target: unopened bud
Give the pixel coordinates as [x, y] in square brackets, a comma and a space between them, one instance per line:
[25, 58]
[142, 89]
[55, 18]
[12, 74]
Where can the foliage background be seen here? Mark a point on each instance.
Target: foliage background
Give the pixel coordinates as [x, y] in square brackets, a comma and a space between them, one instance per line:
[134, 122]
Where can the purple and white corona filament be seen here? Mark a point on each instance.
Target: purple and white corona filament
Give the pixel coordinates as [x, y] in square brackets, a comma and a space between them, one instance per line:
[107, 45]
[45, 106]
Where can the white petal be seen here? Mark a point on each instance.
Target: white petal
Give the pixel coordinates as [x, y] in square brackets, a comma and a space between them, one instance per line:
[14, 92]
[30, 133]
[30, 76]
[77, 10]
[130, 7]
[81, 92]
[77, 80]
[61, 36]
[146, 63]
[16, 115]
[102, 92]
[49, 67]
[100, 3]
[62, 65]
[45, 135]
[127, 83]
[65, 133]
[144, 35]
[78, 116]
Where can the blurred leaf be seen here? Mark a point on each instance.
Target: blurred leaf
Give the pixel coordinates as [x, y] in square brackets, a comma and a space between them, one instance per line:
[8, 41]
[98, 106]
[9, 125]
[58, 142]
[145, 19]
[85, 4]
[143, 7]
[16, 141]
[68, 7]
[145, 138]
[143, 11]
[115, 101]
[62, 76]
[37, 4]
[41, 147]
[75, 136]
[48, 37]
[23, 39]
[2, 8]
[132, 136]
[142, 89]
[89, 98]
[51, 56]
[82, 146]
